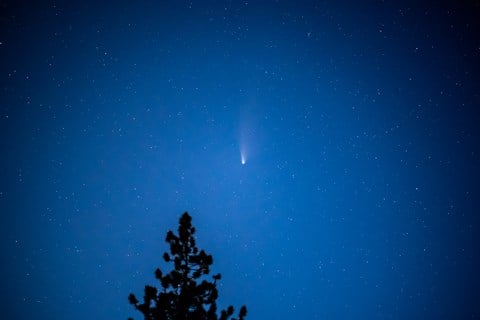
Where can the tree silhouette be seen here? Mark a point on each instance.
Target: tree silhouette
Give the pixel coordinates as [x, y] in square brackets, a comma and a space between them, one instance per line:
[185, 294]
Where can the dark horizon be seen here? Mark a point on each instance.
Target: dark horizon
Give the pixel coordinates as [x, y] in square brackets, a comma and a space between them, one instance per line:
[328, 152]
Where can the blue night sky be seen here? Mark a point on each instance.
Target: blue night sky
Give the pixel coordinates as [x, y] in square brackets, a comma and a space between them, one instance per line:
[358, 123]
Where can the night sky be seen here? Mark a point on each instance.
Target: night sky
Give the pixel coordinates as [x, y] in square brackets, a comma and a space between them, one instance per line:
[328, 152]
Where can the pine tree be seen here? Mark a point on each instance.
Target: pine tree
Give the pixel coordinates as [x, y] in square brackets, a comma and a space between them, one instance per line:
[185, 294]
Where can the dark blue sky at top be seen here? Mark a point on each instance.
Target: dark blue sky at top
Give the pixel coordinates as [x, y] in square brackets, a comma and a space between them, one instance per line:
[359, 198]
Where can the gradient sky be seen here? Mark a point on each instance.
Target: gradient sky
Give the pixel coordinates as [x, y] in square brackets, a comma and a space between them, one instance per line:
[359, 126]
